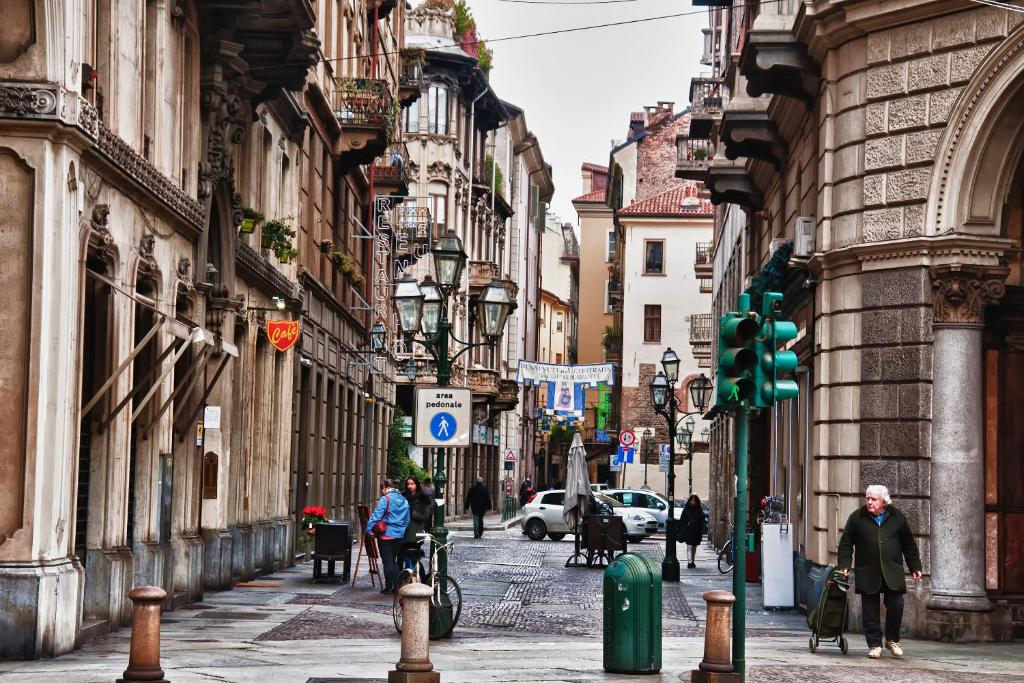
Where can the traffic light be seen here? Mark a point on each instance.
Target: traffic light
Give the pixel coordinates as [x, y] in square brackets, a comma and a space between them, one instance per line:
[737, 360]
[773, 362]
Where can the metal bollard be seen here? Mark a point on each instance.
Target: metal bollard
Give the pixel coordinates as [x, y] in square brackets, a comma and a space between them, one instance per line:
[414, 665]
[144, 658]
[716, 666]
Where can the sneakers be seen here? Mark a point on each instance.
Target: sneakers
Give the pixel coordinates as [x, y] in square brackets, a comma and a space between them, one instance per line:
[895, 649]
[875, 653]
[691, 565]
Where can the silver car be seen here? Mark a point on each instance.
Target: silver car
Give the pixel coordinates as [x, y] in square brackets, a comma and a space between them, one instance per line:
[542, 516]
[653, 503]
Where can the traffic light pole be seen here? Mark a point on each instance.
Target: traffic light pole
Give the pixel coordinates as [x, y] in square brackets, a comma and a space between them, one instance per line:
[739, 544]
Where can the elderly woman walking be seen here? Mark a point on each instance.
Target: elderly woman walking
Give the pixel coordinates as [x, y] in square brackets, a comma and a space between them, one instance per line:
[876, 540]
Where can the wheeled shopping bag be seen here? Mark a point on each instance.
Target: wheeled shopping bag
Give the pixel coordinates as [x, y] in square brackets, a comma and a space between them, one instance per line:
[828, 619]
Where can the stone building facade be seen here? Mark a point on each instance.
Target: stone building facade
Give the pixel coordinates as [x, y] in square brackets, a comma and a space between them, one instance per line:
[150, 421]
[872, 173]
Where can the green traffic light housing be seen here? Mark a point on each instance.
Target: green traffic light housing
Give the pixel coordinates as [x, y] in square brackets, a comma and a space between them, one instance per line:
[737, 359]
[773, 361]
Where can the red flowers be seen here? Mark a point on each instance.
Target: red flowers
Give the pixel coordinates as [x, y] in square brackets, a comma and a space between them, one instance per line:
[311, 514]
[314, 511]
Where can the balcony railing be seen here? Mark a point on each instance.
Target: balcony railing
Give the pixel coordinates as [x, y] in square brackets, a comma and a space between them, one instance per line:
[705, 285]
[363, 102]
[392, 168]
[705, 104]
[410, 80]
[693, 157]
[700, 328]
[704, 253]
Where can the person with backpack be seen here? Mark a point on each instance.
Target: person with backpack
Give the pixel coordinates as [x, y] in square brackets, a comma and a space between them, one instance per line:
[388, 524]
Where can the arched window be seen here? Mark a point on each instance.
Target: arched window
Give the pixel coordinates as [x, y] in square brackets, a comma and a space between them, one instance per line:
[209, 476]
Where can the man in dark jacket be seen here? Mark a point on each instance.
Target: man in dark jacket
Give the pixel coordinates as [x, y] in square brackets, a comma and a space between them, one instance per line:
[478, 499]
[876, 540]
[525, 491]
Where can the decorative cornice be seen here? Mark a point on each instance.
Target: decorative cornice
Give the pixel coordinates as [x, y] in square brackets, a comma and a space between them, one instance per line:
[252, 266]
[924, 251]
[29, 99]
[960, 294]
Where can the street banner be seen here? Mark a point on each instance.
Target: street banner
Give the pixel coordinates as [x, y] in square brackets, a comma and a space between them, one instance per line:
[591, 375]
[282, 333]
[566, 399]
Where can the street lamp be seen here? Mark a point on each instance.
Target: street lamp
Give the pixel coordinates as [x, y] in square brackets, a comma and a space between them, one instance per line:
[666, 404]
[423, 316]
[378, 337]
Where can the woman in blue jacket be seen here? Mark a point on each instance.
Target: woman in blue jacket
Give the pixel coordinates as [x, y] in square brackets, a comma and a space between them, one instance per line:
[393, 509]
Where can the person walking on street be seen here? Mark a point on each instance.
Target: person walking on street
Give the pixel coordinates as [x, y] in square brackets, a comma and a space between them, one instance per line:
[691, 529]
[388, 523]
[525, 491]
[876, 540]
[420, 518]
[479, 500]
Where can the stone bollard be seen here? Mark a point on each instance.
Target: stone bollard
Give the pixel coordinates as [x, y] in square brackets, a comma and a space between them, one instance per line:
[717, 664]
[144, 659]
[414, 665]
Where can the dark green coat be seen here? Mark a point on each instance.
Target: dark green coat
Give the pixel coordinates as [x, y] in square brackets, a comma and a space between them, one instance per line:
[877, 551]
[421, 511]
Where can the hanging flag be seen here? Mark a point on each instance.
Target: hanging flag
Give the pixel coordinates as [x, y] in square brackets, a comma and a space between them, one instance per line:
[283, 333]
[592, 375]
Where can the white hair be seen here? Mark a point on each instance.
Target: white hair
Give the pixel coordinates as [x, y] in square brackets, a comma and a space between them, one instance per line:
[880, 491]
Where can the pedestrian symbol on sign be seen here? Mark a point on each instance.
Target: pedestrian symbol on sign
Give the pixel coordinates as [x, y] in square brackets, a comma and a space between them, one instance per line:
[442, 426]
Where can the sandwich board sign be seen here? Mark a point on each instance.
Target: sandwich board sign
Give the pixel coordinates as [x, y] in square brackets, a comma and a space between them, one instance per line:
[443, 417]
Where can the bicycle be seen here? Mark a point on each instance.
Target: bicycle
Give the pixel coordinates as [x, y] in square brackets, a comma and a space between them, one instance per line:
[443, 587]
[726, 556]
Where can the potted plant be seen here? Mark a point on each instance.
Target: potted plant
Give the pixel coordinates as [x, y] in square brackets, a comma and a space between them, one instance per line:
[251, 218]
[288, 255]
[311, 516]
[700, 154]
[327, 246]
[357, 280]
[277, 236]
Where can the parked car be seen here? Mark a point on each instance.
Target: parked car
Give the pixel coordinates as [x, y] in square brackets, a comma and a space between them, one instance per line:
[542, 516]
[653, 503]
[599, 488]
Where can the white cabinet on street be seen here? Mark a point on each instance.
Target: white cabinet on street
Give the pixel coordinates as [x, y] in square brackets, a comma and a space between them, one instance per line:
[777, 564]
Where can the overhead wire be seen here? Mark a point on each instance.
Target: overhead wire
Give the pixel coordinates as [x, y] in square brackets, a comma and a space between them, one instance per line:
[573, 29]
[999, 4]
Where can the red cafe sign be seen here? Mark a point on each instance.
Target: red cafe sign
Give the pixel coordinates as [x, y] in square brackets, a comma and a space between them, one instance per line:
[283, 333]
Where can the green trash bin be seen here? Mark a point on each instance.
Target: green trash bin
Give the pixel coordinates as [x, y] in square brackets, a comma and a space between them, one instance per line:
[632, 615]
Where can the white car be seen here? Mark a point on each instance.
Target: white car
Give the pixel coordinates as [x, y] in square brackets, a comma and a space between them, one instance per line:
[653, 503]
[542, 516]
[599, 488]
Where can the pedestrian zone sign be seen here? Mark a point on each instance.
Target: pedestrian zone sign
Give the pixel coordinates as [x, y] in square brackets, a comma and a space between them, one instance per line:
[663, 457]
[443, 417]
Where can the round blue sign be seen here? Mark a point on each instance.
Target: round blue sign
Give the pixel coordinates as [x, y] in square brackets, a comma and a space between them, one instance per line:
[443, 426]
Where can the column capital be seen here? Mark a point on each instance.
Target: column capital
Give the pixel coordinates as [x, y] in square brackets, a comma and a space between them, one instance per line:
[961, 292]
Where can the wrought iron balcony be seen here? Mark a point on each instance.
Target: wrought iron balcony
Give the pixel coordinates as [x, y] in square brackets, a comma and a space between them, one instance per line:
[363, 109]
[705, 105]
[702, 262]
[705, 285]
[693, 157]
[391, 171]
[481, 273]
[410, 80]
[700, 328]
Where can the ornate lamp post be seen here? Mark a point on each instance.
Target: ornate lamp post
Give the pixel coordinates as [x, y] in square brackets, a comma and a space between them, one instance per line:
[423, 316]
[663, 397]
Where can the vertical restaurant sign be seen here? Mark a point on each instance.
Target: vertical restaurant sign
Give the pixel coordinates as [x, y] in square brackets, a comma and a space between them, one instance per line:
[283, 333]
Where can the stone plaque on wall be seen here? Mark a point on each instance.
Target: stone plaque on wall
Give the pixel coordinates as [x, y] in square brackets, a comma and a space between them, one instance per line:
[16, 209]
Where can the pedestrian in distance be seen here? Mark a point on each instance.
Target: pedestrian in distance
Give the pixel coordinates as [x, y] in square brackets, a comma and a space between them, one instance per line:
[421, 510]
[876, 540]
[388, 523]
[691, 529]
[428, 487]
[478, 499]
[525, 491]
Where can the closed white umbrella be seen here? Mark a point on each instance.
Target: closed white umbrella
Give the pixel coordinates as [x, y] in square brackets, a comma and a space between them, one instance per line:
[577, 489]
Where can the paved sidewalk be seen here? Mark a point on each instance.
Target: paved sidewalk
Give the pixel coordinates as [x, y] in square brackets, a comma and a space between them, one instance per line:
[492, 522]
[526, 618]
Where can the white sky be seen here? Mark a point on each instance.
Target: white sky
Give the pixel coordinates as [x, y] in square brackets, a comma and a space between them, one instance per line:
[577, 89]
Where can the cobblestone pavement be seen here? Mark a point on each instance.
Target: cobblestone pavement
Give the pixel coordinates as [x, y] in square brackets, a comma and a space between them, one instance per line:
[526, 618]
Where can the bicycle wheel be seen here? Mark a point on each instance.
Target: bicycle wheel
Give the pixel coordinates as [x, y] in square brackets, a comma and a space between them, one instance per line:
[454, 594]
[725, 559]
[406, 577]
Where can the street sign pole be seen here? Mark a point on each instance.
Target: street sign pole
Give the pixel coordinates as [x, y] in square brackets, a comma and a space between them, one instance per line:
[739, 544]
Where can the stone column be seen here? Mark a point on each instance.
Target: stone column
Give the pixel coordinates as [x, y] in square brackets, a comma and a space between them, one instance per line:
[960, 295]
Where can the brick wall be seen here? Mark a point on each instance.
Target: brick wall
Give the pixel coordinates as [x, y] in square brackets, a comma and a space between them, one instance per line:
[656, 156]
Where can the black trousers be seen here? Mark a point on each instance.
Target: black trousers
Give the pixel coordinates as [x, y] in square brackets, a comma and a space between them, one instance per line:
[871, 617]
[389, 561]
